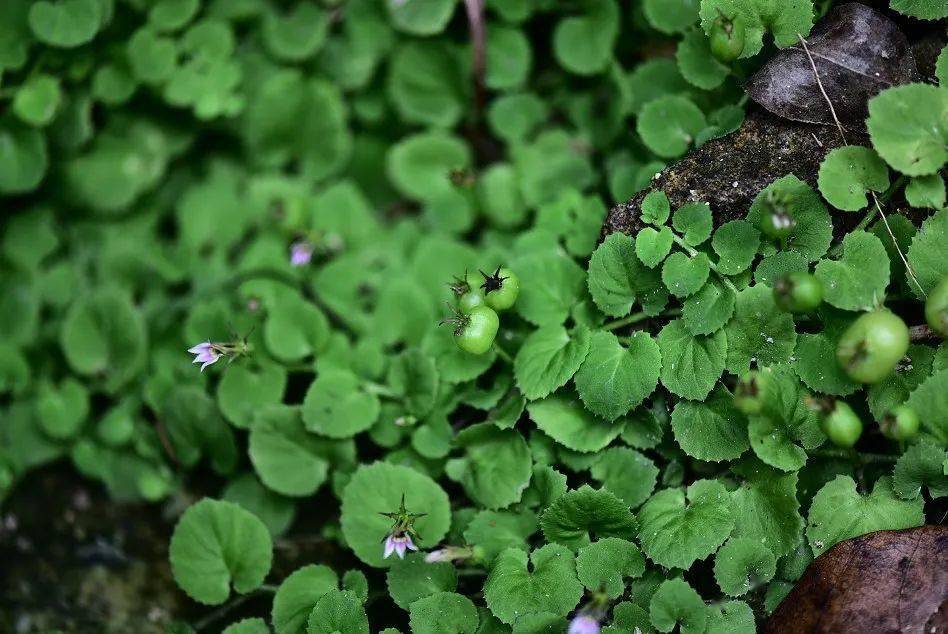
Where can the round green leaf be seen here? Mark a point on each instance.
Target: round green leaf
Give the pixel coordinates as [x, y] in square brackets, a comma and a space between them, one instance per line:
[443, 613]
[550, 283]
[378, 488]
[421, 17]
[576, 517]
[696, 63]
[691, 364]
[336, 405]
[709, 309]
[909, 127]
[549, 358]
[759, 333]
[244, 390]
[614, 378]
[626, 473]
[566, 421]
[66, 23]
[23, 158]
[606, 563]
[674, 534]
[496, 466]
[675, 603]
[297, 596]
[813, 232]
[684, 275]
[296, 36]
[37, 101]
[424, 84]
[668, 125]
[583, 44]
[509, 57]
[62, 410]
[741, 564]
[671, 16]
[653, 246]
[713, 430]
[218, 544]
[413, 578]
[857, 281]
[276, 511]
[338, 611]
[420, 165]
[847, 173]
[513, 589]
[736, 244]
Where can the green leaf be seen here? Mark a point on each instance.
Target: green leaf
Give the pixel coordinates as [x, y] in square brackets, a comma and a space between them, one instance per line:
[419, 165]
[655, 208]
[412, 578]
[922, 465]
[759, 332]
[336, 405]
[29, 238]
[839, 512]
[616, 275]
[923, 9]
[693, 221]
[495, 531]
[675, 535]
[578, 516]
[426, 17]
[696, 63]
[786, 426]
[509, 57]
[787, 21]
[496, 466]
[242, 391]
[443, 613]
[926, 254]
[926, 191]
[765, 507]
[218, 544]
[549, 358]
[549, 285]
[338, 611]
[857, 281]
[627, 617]
[37, 100]
[583, 44]
[908, 129]
[911, 371]
[741, 564]
[778, 265]
[152, 58]
[454, 365]
[378, 488]
[297, 596]
[625, 472]
[513, 117]
[812, 352]
[671, 16]
[813, 232]
[513, 591]
[614, 378]
[930, 400]
[171, 15]
[276, 511]
[248, 626]
[296, 36]
[675, 603]
[66, 23]
[424, 84]
[62, 410]
[606, 564]
[691, 364]
[708, 310]
[413, 376]
[289, 459]
[732, 617]
[668, 125]
[714, 430]
[103, 335]
[195, 428]
[736, 244]
[23, 158]
[652, 246]
[684, 275]
[847, 173]
[565, 420]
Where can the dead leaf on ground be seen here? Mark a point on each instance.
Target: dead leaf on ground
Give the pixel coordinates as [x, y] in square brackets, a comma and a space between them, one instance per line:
[888, 581]
[857, 51]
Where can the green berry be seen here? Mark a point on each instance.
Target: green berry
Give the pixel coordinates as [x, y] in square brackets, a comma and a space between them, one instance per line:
[475, 331]
[751, 391]
[777, 225]
[902, 423]
[936, 308]
[727, 38]
[501, 288]
[872, 346]
[798, 293]
[842, 426]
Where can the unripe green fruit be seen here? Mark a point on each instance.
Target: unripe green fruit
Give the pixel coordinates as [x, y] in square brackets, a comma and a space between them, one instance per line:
[798, 293]
[872, 346]
[902, 423]
[751, 391]
[842, 426]
[936, 308]
[727, 38]
[476, 333]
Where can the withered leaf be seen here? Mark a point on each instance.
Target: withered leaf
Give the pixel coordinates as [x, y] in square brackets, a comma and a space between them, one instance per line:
[887, 581]
[857, 52]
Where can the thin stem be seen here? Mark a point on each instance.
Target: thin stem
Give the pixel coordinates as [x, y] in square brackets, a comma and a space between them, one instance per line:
[379, 390]
[690, 250]
[225, 609]
[475, 19]
[856, 456]
[625, 321]
[503, 354]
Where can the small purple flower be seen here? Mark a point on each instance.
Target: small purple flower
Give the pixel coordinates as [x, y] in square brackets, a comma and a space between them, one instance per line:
[301, 252]
[398, 544]
[583, 624]
[205, 353]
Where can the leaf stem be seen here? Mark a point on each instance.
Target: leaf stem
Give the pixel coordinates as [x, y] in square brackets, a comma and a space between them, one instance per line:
[503, 354]
[379, 390]
[625, 321]
[690, 250]
[856, 456]
[222, 611]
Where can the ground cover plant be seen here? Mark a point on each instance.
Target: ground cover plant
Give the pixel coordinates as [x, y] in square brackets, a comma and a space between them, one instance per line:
[265, 262]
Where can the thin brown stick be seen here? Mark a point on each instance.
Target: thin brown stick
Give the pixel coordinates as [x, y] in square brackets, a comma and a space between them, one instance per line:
[475, 19]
